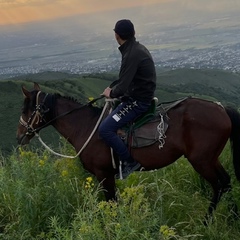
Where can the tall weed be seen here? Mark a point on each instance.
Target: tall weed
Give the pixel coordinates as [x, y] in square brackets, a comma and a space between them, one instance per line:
[44, 197]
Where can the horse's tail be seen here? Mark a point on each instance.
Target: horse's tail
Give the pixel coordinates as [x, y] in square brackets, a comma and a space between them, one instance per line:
[234, 116]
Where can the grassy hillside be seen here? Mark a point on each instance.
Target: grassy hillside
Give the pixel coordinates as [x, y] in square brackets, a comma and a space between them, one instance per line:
[209, 84]
[44, 197]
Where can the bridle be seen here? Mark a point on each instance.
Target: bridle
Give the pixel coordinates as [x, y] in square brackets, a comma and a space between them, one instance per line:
[36, 116]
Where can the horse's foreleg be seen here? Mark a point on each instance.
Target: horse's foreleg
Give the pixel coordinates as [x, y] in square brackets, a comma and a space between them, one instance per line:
[109, 187]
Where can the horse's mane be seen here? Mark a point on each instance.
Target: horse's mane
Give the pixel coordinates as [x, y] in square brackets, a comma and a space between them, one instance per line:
[58, 95]
[97, 110]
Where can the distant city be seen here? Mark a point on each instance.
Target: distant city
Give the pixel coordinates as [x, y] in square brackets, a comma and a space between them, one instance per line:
[223, 57]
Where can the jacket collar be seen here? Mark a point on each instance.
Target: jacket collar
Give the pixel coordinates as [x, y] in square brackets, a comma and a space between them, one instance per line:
[125, 45]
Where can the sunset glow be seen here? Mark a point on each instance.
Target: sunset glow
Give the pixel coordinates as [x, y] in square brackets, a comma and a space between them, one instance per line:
[19, 11]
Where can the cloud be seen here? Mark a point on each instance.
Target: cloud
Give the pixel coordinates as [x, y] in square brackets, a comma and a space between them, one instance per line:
[18, 11]
[93, 4]
[22, 3]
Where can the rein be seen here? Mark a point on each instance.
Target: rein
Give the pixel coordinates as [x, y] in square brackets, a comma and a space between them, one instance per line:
[37, 116]
[84, 145]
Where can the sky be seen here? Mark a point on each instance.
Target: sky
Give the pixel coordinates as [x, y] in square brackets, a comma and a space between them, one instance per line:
[20, 11]
[23, 11]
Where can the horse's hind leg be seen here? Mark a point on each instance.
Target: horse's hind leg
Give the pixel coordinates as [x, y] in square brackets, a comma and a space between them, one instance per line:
[224, 179]
[218, 178]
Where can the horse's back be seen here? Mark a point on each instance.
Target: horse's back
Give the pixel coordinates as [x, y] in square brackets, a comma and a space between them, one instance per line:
[203, 113]
[202, 125]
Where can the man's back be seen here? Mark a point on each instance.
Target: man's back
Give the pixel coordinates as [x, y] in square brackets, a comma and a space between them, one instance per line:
[137, 60]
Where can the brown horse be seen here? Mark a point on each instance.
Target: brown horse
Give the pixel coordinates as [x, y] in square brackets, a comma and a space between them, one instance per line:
[198, 129]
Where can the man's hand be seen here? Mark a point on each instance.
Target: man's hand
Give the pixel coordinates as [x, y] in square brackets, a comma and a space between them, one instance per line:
[106, 92]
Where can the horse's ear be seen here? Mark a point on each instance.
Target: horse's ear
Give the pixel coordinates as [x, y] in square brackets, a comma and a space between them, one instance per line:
[36, 86]
[25, 92]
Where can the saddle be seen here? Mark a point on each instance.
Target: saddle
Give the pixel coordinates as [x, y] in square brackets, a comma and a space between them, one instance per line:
[149, 127]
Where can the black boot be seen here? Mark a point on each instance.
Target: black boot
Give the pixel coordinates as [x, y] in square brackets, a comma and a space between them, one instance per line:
[128, 166]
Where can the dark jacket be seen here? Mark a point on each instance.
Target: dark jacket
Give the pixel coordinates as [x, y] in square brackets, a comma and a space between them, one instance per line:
[137, 76]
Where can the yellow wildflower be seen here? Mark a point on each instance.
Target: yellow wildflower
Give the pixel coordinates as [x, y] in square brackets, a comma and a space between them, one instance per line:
[89, 183]
[167, 232]
[41, 162]
[64, 173]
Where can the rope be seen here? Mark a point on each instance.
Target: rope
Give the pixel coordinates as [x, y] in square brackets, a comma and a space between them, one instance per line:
[160, 129]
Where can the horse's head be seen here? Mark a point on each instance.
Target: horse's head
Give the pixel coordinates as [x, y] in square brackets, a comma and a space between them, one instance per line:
[32, 117]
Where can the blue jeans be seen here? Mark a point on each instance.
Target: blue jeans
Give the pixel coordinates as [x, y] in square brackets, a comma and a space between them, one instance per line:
[119, 117]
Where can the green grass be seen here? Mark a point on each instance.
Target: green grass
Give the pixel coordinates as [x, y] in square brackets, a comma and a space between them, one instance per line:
[50, 198]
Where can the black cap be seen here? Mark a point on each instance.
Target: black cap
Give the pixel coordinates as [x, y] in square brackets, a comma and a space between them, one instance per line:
[124, 28]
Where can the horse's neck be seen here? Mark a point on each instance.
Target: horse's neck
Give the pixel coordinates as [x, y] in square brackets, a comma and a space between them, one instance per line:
[76, 126]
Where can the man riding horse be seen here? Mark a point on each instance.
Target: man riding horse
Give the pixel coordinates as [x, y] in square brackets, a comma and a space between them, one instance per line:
[135, 87]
